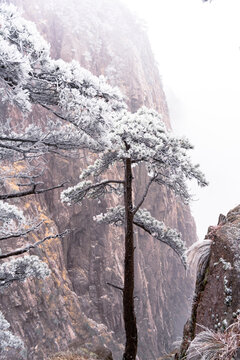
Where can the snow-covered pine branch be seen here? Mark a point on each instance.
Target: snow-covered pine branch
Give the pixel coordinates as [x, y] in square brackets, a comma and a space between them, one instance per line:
[12, 220]
[29, 75]
[161, 232]
[104, 161]
[86, 189]
[167, 163]
[152, 226]
[149, 142]
[22, 268]
[9, 341]
[7, 233]
[33, 141]
[164, 155]
[10, 213]
[18, 269]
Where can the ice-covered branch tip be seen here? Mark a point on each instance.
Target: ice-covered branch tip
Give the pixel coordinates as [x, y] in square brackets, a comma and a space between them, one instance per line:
[17, 270]
[104, 161]
[10, 213]
[154, 227]
[22, 268]
[29, 75]
[8, 340]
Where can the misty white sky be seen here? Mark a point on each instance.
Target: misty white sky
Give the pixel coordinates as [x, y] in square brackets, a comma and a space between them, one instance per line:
[197, 47]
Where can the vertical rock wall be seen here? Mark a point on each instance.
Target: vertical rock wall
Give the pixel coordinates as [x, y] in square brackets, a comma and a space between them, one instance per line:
[216, 302]
[107, 40]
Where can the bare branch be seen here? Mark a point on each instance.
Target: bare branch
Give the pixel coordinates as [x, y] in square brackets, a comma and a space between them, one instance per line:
[32, 246]
[115, 286]
[49, 144]
[144, 195]
[32, 191]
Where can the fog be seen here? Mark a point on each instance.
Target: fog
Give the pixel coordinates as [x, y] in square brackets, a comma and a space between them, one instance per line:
[197, 47]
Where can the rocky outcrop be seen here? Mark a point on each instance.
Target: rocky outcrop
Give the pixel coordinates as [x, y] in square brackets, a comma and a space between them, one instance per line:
[216, 302]
[75, 304]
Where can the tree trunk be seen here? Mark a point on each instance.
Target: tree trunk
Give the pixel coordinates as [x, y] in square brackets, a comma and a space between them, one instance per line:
[128, 290]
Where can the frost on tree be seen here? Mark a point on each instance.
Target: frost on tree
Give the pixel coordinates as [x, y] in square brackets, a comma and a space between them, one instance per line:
[13, 224]
[84, 106]
[29, 76]
[9, 342]
[95, 117]
[139, 138]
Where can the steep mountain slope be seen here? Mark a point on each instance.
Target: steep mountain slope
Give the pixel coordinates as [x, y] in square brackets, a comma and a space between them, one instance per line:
[107, 40]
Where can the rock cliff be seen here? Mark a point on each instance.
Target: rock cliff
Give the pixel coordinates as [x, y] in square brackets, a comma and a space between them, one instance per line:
[216, 302]
[75, 305]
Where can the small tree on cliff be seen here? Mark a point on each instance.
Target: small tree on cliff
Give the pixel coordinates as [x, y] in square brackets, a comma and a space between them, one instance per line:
[135, 139]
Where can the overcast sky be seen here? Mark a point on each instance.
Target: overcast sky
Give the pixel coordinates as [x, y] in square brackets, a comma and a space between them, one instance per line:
[197, 47]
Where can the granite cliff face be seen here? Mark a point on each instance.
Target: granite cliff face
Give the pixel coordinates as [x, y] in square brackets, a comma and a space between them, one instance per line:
[68, 307]
[216, 303]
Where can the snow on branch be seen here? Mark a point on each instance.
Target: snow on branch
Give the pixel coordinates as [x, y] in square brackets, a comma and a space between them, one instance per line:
[9, 213]
[105, 160]
[161, 232]
[154, 227]
[34, 141]
[86, 189]
[29, 75]
[13, 223]
[22, 268]
[8, 340]
[114, 216]
[164, 155]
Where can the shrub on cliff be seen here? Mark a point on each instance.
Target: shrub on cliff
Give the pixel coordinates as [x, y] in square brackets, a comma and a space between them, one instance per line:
[210, 345]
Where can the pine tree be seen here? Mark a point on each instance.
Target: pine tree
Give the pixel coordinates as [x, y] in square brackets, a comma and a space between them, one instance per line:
[139, 138]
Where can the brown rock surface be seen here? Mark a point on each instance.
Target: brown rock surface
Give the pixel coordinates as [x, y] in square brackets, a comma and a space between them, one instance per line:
[69, 305]
[217, 295]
